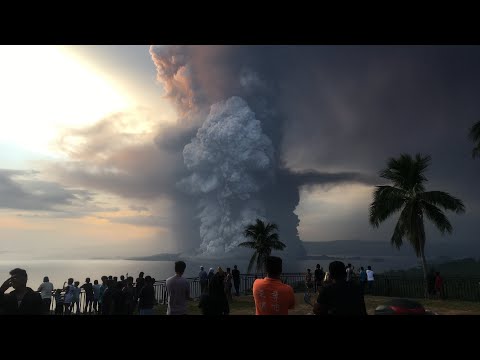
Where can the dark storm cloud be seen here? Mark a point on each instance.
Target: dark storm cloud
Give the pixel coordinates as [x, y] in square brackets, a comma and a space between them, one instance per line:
[23, 191]
[334, 115]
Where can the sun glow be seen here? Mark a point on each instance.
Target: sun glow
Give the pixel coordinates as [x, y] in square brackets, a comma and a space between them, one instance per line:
[44, 90]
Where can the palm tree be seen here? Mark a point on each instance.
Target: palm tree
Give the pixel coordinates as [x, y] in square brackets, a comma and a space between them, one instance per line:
[264, 240]
[474, 134]
[408, 195]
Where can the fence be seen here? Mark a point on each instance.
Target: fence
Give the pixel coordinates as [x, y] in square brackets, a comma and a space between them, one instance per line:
[454, 288]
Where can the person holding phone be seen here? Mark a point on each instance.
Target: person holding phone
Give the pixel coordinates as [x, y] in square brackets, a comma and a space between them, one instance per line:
[22, 300]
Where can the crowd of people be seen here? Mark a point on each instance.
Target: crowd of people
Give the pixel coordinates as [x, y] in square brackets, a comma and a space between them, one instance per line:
[339, 292]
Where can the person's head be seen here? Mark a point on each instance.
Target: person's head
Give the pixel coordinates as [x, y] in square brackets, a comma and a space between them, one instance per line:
[141, 274]
[104, 279]
[87, 280]
[122, 277]
[273, 266]
[201, 268]
[361, 268]
[46, 279]
[148, 279]
[308, 271]
[77, 283]
[130, 280]
[70, 281]
[211, 270]
[58, 291]
[95, 282]
[180, 267]
[220, 270]
[228, 270]
[349, 265]
[318, 266]
[337, 270]
[18, 278]
[115, 278]
[110, 277]
[369, 267]
[235, 267]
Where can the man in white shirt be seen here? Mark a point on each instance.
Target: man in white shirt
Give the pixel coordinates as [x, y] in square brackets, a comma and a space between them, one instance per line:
[178, 291]
[370, 278]
[46, 290]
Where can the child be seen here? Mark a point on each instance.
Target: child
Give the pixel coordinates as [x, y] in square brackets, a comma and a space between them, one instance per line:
[58, 302]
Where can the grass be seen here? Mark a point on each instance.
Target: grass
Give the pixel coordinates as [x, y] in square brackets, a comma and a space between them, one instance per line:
[244, 305]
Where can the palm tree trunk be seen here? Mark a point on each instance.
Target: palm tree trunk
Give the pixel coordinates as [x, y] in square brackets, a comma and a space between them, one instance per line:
[425, 271]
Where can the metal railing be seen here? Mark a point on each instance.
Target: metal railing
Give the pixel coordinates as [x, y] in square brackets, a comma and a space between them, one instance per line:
[458, 288]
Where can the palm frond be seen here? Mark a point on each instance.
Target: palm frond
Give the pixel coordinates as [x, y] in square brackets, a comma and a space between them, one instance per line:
[437, 217]
[444, 200]
[278, 245]
[474, 133]
[248, 244]
[387, 200]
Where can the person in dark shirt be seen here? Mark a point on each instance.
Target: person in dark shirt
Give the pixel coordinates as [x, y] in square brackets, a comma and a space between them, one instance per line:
[319, 275]
[236, 280]
[215, 302]
[139, 284]
[340, 297]
[88, 288]
[146, 299]
[22, 300]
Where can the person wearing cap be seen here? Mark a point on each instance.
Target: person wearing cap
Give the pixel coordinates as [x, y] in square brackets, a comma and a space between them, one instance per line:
[340, 297]
[203, 278]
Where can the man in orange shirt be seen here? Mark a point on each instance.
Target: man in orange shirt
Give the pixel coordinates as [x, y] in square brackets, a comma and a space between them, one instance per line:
[271, 296]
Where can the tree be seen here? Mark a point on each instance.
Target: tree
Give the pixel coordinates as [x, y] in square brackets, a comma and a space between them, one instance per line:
[408, 196]
[264, 240]
[474, 135]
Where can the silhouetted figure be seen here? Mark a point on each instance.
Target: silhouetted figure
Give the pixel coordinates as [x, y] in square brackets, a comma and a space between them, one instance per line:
[46, 292]
[236, 280]
[203, 279]
[103, 288]
[88, 288]
[318, 277]
[96, 295]
[139, 284]
[215, 302]
[178, 291]
[146, 298]
[228, 285]
[69, 296]
[22, 300]
[58, 302]
[211, 274]
[340, 297]
[129, 296]
[308, 282]
[363, 278]
[76, 298]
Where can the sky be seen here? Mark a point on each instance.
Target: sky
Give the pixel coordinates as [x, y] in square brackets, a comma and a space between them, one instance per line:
[117, 151]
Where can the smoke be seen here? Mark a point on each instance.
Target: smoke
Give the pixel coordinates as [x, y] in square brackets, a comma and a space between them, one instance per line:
[231, 159]
[237, 171]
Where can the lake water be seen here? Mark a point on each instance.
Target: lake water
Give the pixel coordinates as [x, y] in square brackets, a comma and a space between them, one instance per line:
[60, 270]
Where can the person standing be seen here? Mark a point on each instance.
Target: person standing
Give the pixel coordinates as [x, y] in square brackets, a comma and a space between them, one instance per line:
[272, 297]
[203, 278]
[22, 300]
[318, 276]
[236, 280]
[340, 297]
[178, 291]
[46, 292]
[370, 278]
